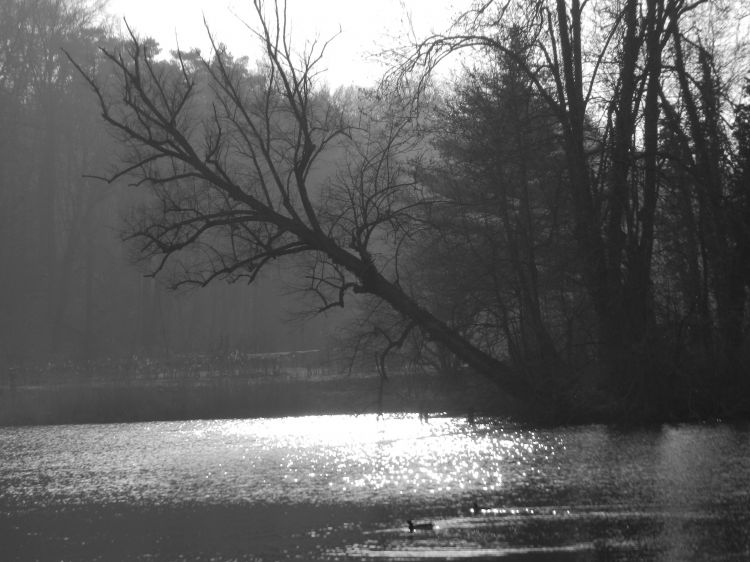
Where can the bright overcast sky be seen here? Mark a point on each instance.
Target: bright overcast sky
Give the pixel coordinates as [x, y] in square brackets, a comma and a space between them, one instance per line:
[367, 26]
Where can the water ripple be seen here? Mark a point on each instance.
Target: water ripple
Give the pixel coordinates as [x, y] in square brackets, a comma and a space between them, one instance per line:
[367, 460]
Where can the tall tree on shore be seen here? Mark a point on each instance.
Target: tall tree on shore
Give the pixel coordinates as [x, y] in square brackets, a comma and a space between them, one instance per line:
[601, 70]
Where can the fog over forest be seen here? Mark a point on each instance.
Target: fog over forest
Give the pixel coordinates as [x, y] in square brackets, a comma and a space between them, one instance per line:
[73, 290]
[567, 218]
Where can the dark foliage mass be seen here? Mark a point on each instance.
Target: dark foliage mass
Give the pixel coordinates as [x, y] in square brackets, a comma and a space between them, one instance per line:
[605, 146]
[569, 217]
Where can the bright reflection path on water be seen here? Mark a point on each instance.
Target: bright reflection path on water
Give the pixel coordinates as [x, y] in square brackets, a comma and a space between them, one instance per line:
[363, 458]
[323, 459]
[662, 493]
[366, 458]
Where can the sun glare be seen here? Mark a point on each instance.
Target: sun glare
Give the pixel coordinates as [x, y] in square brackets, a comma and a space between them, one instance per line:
[362, 30]
[399, 455]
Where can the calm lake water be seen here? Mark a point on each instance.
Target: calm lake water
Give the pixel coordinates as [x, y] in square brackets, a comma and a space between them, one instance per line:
[342, 487]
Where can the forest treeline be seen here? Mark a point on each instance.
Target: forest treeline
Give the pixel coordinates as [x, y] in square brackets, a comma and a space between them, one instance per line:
[605, 146]
[68, 288]
[569, 216]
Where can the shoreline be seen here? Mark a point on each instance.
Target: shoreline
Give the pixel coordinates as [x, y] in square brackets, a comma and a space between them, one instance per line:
[240, 398]
[296, 384]
[235, 397]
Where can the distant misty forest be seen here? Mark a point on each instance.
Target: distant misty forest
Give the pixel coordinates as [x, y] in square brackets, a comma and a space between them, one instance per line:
[70, 288]
[566, 217]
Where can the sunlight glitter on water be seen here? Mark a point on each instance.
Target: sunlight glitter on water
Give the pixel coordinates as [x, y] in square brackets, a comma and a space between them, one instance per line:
[366, 457]
[320, 459]
[311, 459]
[672, 489]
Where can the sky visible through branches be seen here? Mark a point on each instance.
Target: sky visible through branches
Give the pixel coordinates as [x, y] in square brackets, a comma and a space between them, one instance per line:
[364, 28]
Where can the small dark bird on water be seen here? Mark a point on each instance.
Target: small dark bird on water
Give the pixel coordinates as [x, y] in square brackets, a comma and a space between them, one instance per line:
[419, 526]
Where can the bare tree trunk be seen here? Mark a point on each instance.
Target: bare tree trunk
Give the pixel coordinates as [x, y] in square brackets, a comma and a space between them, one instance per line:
[376, 284]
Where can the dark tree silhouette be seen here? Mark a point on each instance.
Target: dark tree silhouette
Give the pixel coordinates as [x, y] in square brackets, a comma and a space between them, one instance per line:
[637, 93]
[234, 162]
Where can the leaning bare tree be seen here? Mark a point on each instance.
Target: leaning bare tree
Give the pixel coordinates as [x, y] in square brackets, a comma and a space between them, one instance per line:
[235, 166]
